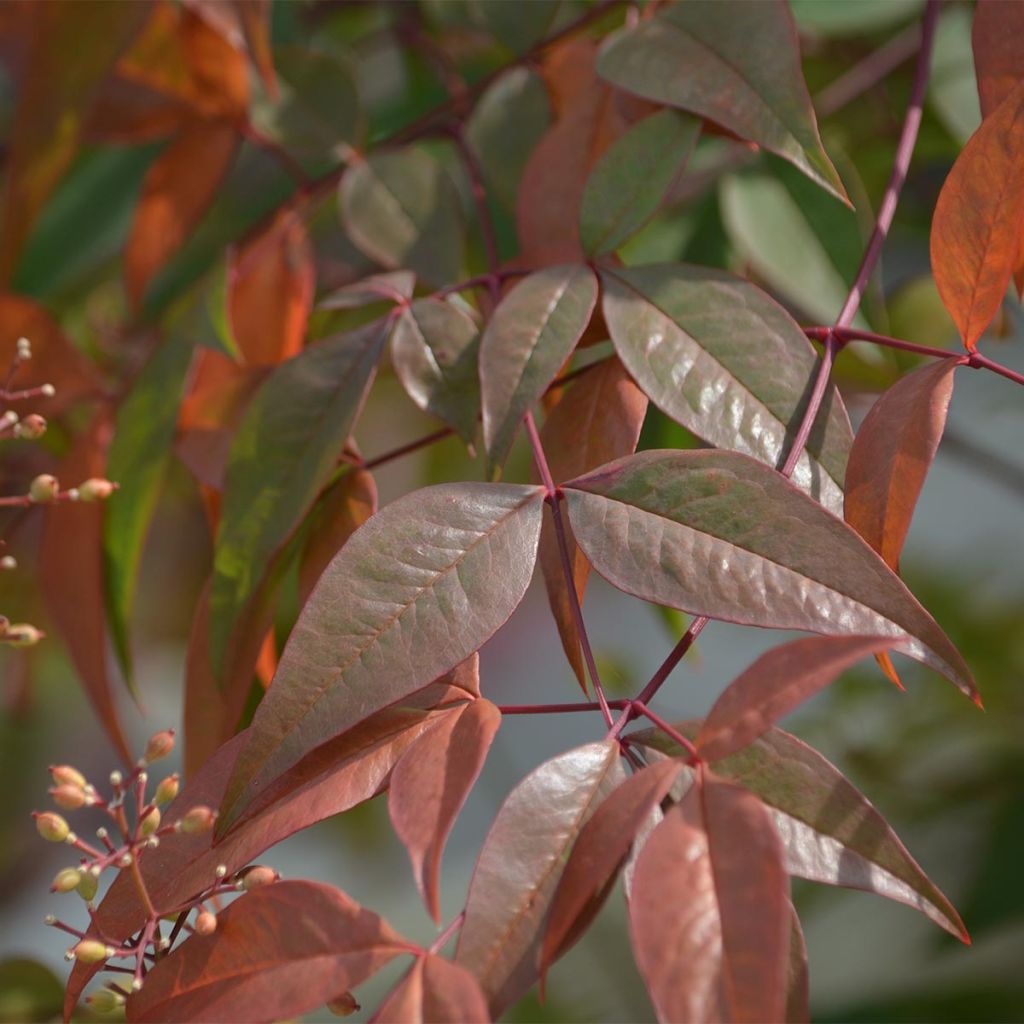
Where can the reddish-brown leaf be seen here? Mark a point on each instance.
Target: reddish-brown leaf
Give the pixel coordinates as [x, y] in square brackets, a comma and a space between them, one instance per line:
[348, 504]
[430, 784]
[271, 281]
[597, 419]
[779, 681]
[891, 456]
[434, 990]
[245, 24]
[979, 218]
[598, 854]
[709, 914]
[998, 64]
[218, 73]
[798, 993]
[278, 952]
[71, 578]
[175, 193]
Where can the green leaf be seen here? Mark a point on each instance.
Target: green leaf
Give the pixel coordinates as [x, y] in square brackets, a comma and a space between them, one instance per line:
[434, 351]
[138, 458]
[513, 23]
[804, 245]
[507, 122]
[830, 831]
[29, 991]
[733, 62]
[720, 534]
[520, 864]
[726, 361]
[401, 209]
[836, 18]
[286, 447]
[630, 180]
[415, 591]
[531, 334]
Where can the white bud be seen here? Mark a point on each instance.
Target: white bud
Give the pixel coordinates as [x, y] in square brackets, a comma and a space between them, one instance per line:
[73, 494]
[116, 778]
[8, 562]
[71, 839]
[48, 391]
[136, 984]
[221, 871]
[126, 861]
[24, 349]
[49, 919]
[101, 833]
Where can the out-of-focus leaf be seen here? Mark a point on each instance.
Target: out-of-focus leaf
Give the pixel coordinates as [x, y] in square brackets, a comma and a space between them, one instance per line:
[598, 419]
[798, 988]
[416, 590]
[434, 350]
[434, 990]
[995, 32]
[735, 63]
[513, 24]
[951, 86]
[271, 281]
[71, 47]
[29, 992]
[507, 122]
[720, 534]
[709, 913]
[520, 864]
[278, 952]
[801, 242]
[390, 287]
[285, 449]
[528, 338]
[341, 511]
[830, 831]
[245, 24]
[71, 579]
[777, 683]
[401, 209]
[891, 456]
[175, 194]
[836, 18]
[598, 854]
[629, 182]
[979, 218]
[318, 109]
[686, 335]
[430, 784]
[139, 453]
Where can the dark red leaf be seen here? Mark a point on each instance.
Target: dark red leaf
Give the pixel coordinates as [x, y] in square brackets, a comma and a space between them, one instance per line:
[434, 990]
[430, 784]
[995, 37]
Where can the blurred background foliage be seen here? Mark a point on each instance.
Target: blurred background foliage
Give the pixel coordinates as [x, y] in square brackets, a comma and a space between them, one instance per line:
[950, 779]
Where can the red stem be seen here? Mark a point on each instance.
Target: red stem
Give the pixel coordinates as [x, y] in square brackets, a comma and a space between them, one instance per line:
[668, 730]
[555, 709]
[453, 926]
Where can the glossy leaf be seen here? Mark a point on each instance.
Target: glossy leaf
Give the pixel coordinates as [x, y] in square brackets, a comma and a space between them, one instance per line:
[520, 864]
[434, 351]
[401, 209]
[278, 952]
[138, 459]
[735, 63]
[995, 32]
[285, 449]
[271, 280]
[341, 511]
[720, 357]
[830, 831]
[430, 784]
[979, 218]
[720, 534]
[71, 579]
[416, 590]
[176, 192]
[434, 990]
[776, 684]
[528, 338]
[629, 182]
[597, 419]
[600, 852]
[709, 913]
[891, 456]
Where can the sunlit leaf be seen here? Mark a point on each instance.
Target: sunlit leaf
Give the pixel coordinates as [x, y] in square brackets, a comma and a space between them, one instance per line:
[278, 952]
[720, 534]
[434, 351]
[597, 419]
[722, 358]
[735, 63]
[430, 784]
[709, 911]
[979, 219]
[415, 591]
[528, 338]
[285, 449]
[434, 990]
[520, 864]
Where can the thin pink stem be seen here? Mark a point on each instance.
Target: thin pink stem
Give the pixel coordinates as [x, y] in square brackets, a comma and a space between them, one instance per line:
[453, 926]
[667, 729]
[845, 334]
[977, 359]
[556, 709]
